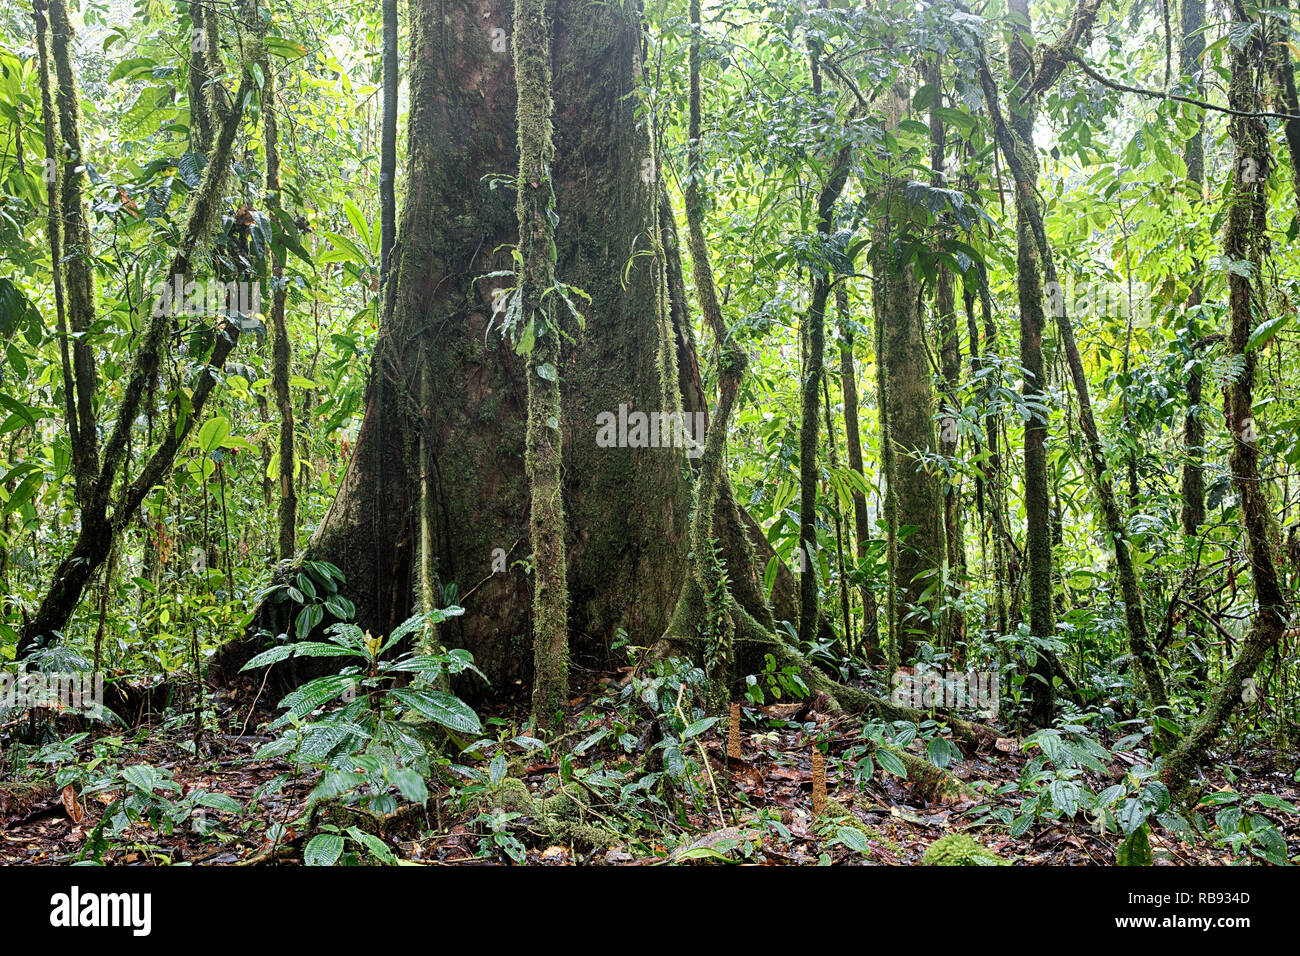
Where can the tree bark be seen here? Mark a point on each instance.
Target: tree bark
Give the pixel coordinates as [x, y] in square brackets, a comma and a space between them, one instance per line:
[281, 346]
[540, 320]
[1244, 240]
[861, 519]
[388, 144]
[1038, 533]
[945, 311]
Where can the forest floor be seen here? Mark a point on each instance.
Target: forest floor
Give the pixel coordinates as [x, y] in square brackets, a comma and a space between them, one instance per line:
[766, 801]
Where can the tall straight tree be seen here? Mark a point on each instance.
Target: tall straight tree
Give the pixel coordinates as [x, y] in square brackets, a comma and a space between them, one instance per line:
[953, 630]
[539, 335]
[1192, 45]
[77, 256]
[861, 519]
[906, 406]
[1029, 287]
[1016, 145]
[388, 143]
[814, 330]
[1244, 241]
[281, 346]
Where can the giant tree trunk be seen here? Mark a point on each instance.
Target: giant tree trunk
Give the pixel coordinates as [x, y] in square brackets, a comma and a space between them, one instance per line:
[626, 507]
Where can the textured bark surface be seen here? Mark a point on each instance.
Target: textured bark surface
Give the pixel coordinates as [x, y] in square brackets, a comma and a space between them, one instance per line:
[1029, 286]
[541, 315]
[1244, 240]
[861, 519]
[626, 507]
[913, 499]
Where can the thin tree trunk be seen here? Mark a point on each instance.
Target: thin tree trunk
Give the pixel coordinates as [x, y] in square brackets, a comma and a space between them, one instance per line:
[1244, 240]
[77, 258]
[1192, 20]
[1282, 70]
[945, 309]
[853, 440]
[1018, 148]
[539, 322]
[97, 527]
[388, 144]
[54, 233]
[281, 347]
[1038, 534]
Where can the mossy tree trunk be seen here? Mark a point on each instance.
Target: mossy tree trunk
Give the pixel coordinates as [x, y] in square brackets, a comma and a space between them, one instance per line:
[625, 508]
[1017, 146]
[281, 346]
[1029, 287]
[1192, 516]
[912, 496]
[104, 514]
[853, 441]
[77, 256]
[1282, 71]
[539, 317]
[945, 313]
[1244, 240]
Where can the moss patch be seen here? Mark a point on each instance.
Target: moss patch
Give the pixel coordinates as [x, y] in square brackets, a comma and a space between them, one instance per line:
[957, 849]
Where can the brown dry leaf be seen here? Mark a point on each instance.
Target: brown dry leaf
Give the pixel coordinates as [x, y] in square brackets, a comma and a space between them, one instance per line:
[782, 711]
[71, 804]
[1008, 745]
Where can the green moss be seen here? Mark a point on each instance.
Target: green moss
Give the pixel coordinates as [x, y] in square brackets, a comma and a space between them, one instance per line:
[957, 849]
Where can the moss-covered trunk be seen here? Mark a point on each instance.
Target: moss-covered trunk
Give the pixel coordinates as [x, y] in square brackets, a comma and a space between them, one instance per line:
[1244, 240]
[539, 316]
[626, 507]
[1029, 286]
[913, 497]
[953, 621]
[861, 519]
[278, 327]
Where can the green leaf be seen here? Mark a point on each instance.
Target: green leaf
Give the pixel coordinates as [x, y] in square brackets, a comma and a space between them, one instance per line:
[218, 801]
[409, 784]
[1131, 815]
[891, 763]
[1265, 331]
[358, 223]
[442, 708]
[24, 493]
[1136, 850]
[272, 656]
[143, 777]
[378, 847]
[854, 839]
[213, 433]
[323, 850]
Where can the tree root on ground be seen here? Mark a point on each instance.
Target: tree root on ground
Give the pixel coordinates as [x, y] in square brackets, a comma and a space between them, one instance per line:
[930, 780]
[562, 818]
